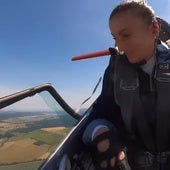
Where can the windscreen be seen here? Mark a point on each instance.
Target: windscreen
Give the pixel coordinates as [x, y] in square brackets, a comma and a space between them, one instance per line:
[30, 130]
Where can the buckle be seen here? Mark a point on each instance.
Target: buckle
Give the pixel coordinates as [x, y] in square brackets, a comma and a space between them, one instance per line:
[129, 85]
[147, 159]
[162, 157]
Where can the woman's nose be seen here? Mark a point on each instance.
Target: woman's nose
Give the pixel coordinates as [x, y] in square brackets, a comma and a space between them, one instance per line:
[120, 49]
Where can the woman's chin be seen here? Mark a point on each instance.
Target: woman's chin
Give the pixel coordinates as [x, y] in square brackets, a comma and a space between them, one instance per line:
[137, 62]
[133, 61]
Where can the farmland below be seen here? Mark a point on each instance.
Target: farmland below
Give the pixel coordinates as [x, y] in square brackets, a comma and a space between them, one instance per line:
[27, 139]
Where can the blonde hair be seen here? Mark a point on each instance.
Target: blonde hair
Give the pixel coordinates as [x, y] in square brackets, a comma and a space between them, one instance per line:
[139, 1]
[138, 8]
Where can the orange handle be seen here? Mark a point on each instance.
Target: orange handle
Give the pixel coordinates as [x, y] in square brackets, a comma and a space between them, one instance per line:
[92, 55]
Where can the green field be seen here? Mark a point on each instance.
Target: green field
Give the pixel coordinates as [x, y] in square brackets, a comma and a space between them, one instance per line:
[27, 139]
[23, 166]
[36, 146]
[46, 137]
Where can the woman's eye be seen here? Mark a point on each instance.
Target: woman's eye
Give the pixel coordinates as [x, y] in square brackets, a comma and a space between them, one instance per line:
[126, 36]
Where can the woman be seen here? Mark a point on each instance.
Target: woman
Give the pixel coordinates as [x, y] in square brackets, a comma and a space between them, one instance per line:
[129, 127]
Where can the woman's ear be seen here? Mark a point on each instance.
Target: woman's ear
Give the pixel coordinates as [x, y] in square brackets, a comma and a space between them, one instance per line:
[156, 28]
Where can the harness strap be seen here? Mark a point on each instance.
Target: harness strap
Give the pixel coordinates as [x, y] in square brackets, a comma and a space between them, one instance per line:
[127, 96]
[147, 159]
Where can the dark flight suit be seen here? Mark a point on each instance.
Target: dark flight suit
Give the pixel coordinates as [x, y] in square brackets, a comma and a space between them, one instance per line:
[138, 104]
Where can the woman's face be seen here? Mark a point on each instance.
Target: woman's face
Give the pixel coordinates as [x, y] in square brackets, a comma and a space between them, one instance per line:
[133, 36]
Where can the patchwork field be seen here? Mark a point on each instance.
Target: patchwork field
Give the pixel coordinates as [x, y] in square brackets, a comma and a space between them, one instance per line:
[32, 146]
[22, 166]
[22, 150]
[27, 139]
[6, 126]
[54, 129]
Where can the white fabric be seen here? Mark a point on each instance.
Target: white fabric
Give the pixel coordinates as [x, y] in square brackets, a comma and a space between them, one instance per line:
[96, 129]
[149, 66]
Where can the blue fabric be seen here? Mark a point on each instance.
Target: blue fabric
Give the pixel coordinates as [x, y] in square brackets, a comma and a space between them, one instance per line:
[87, 136]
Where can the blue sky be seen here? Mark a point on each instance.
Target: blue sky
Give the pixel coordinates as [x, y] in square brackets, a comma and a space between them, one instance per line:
[38, 38]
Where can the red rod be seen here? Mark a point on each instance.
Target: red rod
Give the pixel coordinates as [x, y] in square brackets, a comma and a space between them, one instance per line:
[91, 55]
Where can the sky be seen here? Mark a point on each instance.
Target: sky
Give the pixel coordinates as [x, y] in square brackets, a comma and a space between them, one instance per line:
[38, 39]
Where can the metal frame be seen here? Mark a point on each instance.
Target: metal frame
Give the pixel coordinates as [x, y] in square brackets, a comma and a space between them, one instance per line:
[15, 97]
